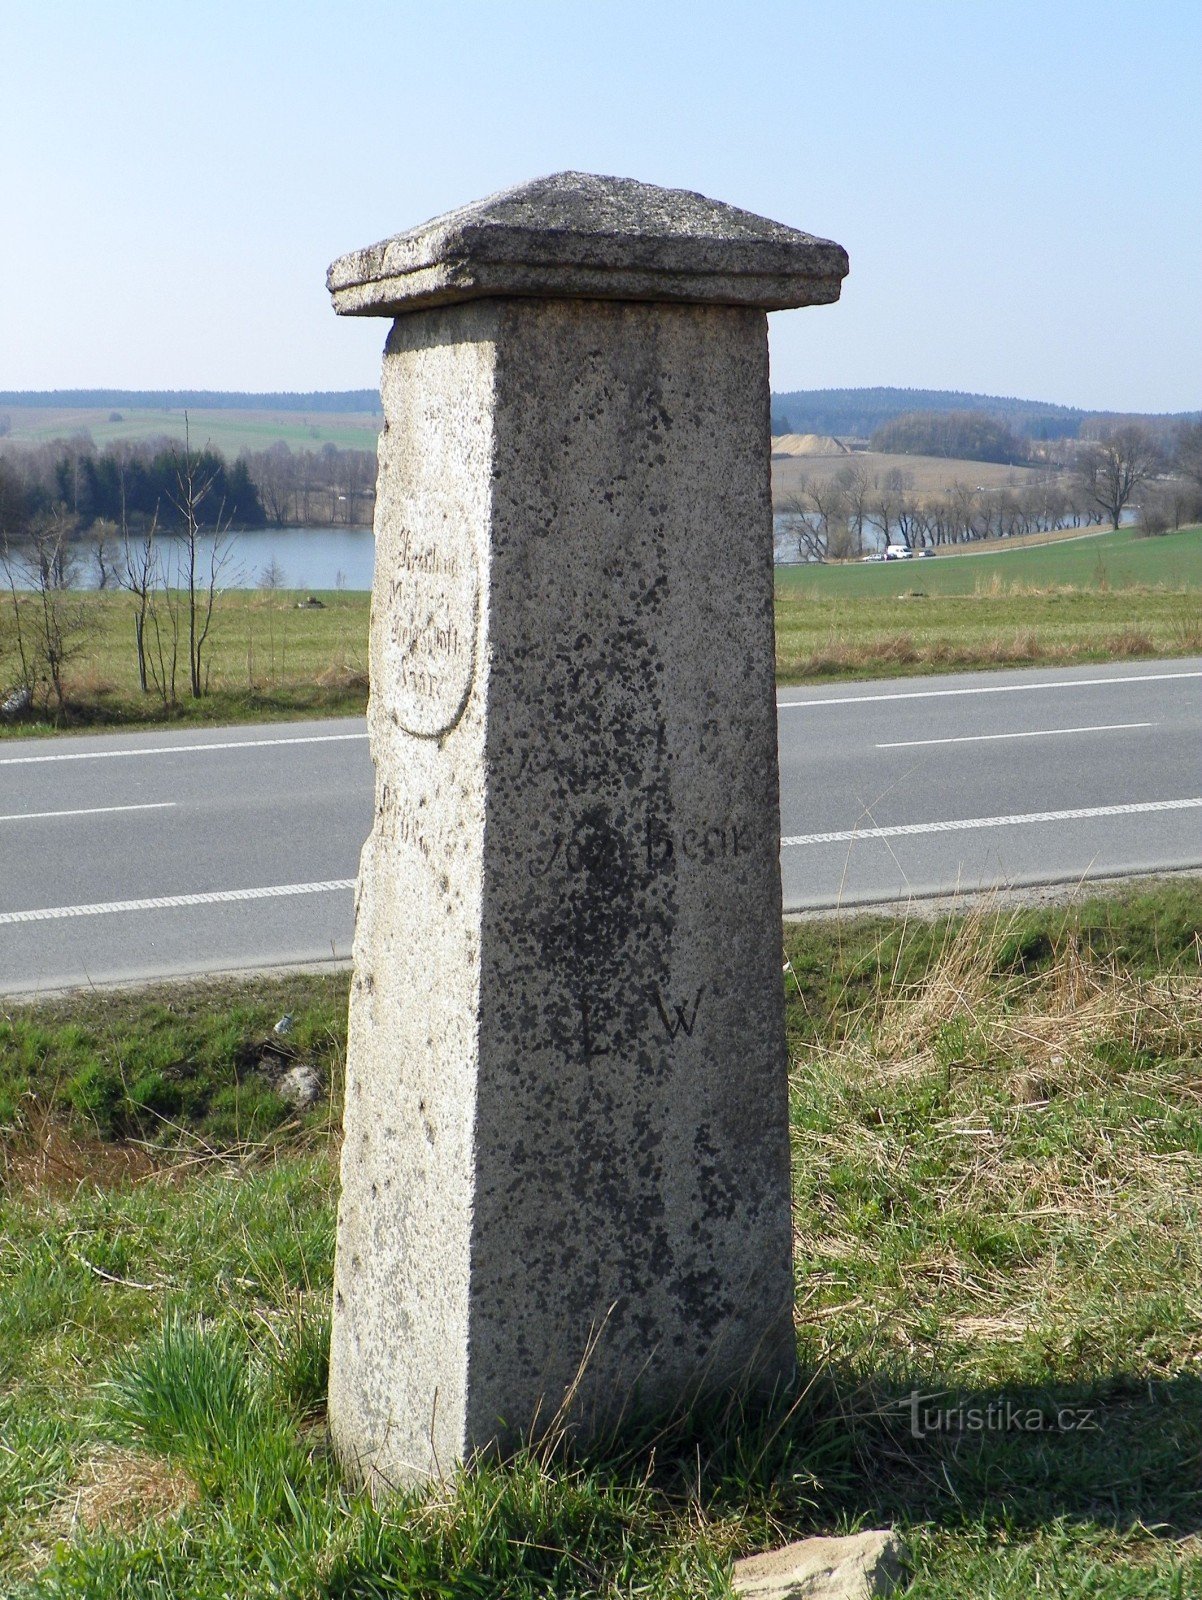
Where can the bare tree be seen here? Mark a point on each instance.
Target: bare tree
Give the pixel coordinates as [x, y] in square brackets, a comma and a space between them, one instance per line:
[796, 519]
[880, 509]
[103, 539]
[857, 485]
[272, 576]
[829, 515]
[194, 486]
[139, 576]
[1116, 466]
[905, 515]
[1170, 504]
[274, 474]
[359, 476]
[961, 505]
[1188, 451]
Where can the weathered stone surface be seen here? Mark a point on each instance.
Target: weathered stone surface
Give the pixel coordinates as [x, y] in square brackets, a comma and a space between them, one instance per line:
[300, 1085]
[578, 234]
[566, 1121]
[855, 1568]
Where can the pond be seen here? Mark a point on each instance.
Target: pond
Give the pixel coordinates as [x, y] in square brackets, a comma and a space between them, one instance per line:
[252, 558]
[291, 558]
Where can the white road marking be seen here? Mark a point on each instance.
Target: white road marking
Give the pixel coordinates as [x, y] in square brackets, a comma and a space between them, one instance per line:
[968, 823]
[984, 688]
[180, 749]
[87, 811]
[1032, 733]
[163, 902]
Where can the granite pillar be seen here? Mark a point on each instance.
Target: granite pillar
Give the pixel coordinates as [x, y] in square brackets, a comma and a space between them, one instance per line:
[565, 1177]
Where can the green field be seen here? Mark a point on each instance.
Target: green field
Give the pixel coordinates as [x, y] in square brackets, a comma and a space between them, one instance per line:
[1104, 598]
[229, 431]
[997, 1167]
[1096, 563]
[268, 659]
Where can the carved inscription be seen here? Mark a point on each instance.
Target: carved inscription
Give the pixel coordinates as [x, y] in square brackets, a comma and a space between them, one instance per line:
[430, 592]
[658, 847]
[683, 1018]
[598, 874]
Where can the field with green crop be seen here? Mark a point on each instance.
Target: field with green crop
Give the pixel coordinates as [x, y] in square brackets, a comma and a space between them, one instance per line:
[1113, 597]
[229, 431]
[997, 1158]
[1098, 564]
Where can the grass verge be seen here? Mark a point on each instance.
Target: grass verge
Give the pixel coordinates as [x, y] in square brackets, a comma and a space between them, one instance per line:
[998, 1163]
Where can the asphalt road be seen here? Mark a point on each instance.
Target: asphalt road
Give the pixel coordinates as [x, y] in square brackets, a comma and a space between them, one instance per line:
[132, 856]
[916, 787]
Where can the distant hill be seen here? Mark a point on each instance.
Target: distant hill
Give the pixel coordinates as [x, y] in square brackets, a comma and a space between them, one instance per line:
[838, 413]
[858, 413]
[191, 399]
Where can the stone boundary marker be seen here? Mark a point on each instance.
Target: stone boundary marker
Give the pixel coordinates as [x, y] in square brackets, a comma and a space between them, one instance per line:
[565, 1177]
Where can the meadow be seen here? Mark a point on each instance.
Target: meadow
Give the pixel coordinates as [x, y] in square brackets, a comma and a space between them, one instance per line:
[1104, 598]
[997, 1157]
[270, 656]
[1099, 563]
[229, 431]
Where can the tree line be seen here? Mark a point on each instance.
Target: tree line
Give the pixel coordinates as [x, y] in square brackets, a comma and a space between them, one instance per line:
[337, 400]
[134, 484]
[959, 435]
[858, 413]
[856, 511]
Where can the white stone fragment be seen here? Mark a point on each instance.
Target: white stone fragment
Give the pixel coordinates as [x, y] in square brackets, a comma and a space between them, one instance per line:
[858, 1567]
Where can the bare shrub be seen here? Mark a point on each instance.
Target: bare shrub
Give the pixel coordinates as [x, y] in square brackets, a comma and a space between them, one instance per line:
[1130, 642]
[49, 624]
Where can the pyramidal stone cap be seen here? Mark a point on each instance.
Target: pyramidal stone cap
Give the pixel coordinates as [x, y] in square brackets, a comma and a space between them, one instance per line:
[577, 235]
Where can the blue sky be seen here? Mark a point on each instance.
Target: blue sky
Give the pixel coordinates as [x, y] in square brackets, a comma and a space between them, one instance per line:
[1018, 184]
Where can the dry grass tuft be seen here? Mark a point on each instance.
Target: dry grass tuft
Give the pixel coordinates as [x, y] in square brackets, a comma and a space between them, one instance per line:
[49, 1159]
[1058, 1017]
[118, 1490]
[341, 676]
[1130, 642]
[1024, 646]
[1187, 636]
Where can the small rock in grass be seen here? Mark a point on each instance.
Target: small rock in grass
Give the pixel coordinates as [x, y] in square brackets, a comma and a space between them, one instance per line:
[16, 703]
[300, 1085]
[854, 1568]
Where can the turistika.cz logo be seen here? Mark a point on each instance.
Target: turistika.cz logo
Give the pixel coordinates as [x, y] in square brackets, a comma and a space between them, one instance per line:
[1001, 1415]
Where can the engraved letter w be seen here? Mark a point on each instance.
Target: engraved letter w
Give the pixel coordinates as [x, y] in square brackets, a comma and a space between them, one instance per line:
[685, 1021]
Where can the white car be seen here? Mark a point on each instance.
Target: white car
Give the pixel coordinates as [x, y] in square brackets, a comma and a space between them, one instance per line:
[898, 552]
